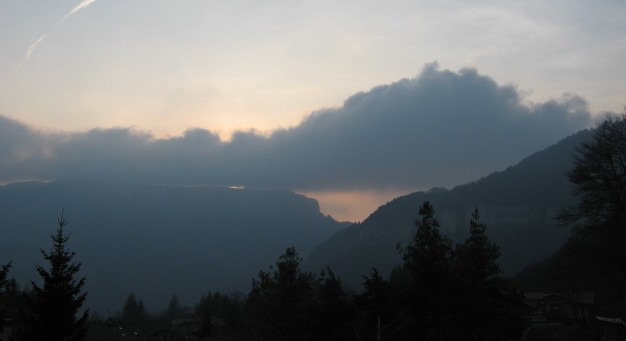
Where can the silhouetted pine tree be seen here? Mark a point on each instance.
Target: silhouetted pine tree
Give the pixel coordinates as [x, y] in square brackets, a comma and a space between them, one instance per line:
[174, 309]
[485, 305]
[54, 308]
[428, 259]
[134, 312]
[332, 312]
[372, 301]
[4, 270]
[206, 327]
[278, 302]
[381, 317]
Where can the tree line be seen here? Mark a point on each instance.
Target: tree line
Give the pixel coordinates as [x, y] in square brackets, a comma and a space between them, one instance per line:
[440, 292]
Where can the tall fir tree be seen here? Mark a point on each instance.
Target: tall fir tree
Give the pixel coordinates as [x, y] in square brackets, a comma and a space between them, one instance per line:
[428, 259]
[174, 310]
[373, 302]
[331, 310]
[485, 304]
[54, 309]
[456, 293]
[279, 300]
[477, 255]
[4, 271]
[134, 312]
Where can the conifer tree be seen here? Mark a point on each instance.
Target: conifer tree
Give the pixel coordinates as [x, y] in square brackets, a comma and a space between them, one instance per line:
[477, 257]
[4, 270]
[206, 327]
[134, 311]
[174, 309]
[379, 319]
[331, 311]
[373, 299]
[54, 312]
[428, 259]
[479, 289]
[278, 301]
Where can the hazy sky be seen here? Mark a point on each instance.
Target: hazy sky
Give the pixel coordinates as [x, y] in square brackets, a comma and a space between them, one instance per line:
[156, 68]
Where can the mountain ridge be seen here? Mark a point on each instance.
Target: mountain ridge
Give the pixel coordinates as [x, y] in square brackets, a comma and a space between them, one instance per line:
[517, 204]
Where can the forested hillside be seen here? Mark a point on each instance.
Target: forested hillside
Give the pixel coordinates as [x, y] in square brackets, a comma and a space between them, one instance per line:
[518, 204]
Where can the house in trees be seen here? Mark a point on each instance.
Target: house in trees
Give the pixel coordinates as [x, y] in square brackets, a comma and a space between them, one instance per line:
[6, 331]
[166, 335]
[564, 306]
[610, 329]
[186, 328]
[189, 326]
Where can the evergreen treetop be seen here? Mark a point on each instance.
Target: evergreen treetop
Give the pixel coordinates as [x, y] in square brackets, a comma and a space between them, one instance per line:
[54, 307]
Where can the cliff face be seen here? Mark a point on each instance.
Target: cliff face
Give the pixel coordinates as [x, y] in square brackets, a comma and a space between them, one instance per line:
[517, 204]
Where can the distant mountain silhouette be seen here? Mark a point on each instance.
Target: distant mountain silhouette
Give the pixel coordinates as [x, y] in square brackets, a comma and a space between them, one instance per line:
[157, 240]
[517, 204]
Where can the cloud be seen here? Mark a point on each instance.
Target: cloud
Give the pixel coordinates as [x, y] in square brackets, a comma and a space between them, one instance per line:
[24, 152]
[82, 5]
[441, 128]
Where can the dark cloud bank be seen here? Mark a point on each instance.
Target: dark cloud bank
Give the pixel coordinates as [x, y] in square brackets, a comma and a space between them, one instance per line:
[441, 128]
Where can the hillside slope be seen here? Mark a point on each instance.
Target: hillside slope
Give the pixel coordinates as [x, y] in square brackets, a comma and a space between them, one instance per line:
[517, 204]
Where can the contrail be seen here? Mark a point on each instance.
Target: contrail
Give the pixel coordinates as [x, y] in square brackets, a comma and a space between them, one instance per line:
[82, 5]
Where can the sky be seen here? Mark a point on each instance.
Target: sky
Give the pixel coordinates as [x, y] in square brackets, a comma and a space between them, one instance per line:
[351, 102]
